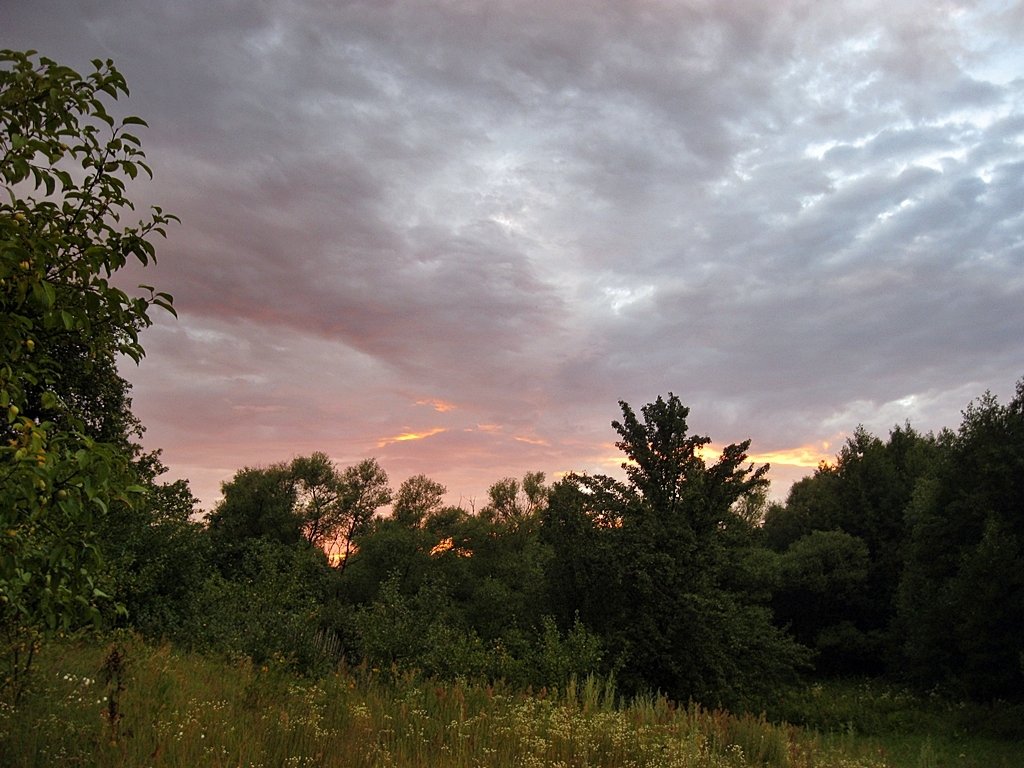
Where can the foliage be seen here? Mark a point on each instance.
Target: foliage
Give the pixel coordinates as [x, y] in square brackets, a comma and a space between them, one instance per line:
[666, 604]
[417, 499]
[514, 503]
[258, 502]
[317, 493]
[418, 631]
[962, 591]
[861, 501]
[309, 500]
[821, 575]
[269, 607]
[64, 164]
[364, 490]
[906, 556]
[156, 556]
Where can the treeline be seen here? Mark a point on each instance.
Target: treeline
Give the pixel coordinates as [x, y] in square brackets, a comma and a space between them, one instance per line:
[901, 559]
[905, 557]
[659, 580]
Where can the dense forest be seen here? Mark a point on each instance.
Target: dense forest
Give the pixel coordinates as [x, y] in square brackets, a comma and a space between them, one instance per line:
[902, 559]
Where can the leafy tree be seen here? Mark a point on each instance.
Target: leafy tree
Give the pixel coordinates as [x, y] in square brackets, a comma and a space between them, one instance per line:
[674, 621]
[812, 504]
[419, 629]
[364, 490]
[961, 597]
[863, 494]
[452, 593]
[584, 574]
[258, 502]
[387, 549]
[64, 164]
[318, 492]
[280, 519]
[516, 503]
[156, 554]
[418, 497]
[308, 500]
[269, 606]
[821, 576]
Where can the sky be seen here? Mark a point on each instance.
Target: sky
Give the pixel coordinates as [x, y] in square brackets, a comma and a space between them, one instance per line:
[453, 234]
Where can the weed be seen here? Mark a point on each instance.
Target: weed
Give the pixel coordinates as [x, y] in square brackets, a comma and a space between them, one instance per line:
[181, 709]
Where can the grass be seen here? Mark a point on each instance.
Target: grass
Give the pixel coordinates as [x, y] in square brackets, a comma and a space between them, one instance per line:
[149, 705]
[908, 729]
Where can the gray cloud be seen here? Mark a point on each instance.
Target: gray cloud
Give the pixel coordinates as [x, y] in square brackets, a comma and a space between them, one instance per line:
[798, 217]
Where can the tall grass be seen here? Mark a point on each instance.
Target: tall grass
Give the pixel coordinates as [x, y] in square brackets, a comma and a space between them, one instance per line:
[132, 704]
[908, 728]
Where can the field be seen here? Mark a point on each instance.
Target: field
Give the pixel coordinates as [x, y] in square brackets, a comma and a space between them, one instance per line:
[133, 704]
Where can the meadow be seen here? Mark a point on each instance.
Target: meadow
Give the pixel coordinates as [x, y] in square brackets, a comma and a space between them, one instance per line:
[129, 703]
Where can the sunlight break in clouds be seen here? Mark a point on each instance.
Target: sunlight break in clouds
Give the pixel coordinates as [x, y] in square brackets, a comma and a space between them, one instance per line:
[410, 436]
[806, 456]
[441, 406]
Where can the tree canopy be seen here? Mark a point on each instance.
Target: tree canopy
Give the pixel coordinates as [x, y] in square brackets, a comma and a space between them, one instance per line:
[65, 165]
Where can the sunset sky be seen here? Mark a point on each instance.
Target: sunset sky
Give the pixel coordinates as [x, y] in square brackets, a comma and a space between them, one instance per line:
[452, 234]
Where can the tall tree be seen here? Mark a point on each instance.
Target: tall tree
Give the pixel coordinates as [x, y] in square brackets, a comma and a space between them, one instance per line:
[318, 491]
[258, 502]
[864, 495]
[679, 623]
[961, 597]
[364, 490]
[64, 166]
[418, 497]
[513, 502]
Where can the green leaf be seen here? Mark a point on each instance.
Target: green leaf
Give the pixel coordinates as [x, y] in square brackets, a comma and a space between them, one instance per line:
[44, 293]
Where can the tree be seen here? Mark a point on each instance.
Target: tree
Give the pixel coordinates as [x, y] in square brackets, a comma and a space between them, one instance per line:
[418, 497]
[156, 556]
[961, 596]
[318, 492]
[863, 494]
[307, 500]
[674, 618]
[822, 575]
[516, 503]
[64, 164]
[364, 490]
[269, 606]
[258, 502]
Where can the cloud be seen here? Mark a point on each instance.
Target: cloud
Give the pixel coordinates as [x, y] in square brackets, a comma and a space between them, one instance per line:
[790, 215]
[405, 437]
[440, 406]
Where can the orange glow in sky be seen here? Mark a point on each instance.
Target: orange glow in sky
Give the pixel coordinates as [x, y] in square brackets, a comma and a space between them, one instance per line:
[441, 406]
[531, 440]
[408, 436]
[810, 455]
[805, 456]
